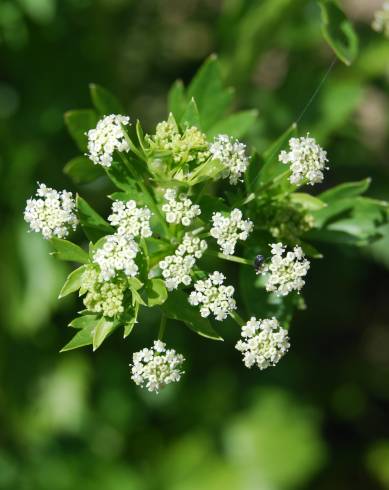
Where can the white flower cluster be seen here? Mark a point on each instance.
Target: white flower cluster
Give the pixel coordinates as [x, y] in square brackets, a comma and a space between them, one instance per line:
[307, 160]
[52, 213]
[176, 269]
[286, 272]
[229, 229]
[213, 296]
[263, 343]
[381, 19]
[130, 220]
[117, 254]
[156, 367]
[102, 297]
[179, 209]
[232, 154]
[107, 137]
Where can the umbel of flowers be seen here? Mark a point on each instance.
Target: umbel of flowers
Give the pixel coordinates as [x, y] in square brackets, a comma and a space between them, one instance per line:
[189, 202]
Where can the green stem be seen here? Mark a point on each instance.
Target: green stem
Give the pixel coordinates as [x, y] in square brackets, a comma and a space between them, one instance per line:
[230, 258]
[238, 319]
[162, 327]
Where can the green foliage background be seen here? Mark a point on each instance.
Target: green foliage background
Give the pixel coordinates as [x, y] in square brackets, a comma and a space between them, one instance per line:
[74, 420]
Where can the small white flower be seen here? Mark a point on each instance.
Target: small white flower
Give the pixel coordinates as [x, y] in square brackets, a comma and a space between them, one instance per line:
[381, 19]
[264, 343]
[176, 269]
[229, 229]
[130, 220]
[213, 297]
[102, 297]
[52, 213]
[107, 137]
[156, 367]
[307, 160]
[117, 254]
[232, 154]
[286, 271]
[179, 209]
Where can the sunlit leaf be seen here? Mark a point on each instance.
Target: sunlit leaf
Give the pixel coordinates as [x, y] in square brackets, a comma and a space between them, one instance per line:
[73, 282]
[68, 251]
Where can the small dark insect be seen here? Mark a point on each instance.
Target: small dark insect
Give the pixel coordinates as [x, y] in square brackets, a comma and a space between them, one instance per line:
[258, 263]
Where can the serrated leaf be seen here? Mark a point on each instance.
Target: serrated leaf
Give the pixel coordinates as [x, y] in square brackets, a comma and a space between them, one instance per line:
[73, 282]
[84, 321]
[156, 292]
[68, 251]
[81, 339]
[176, 307]
[81, 170]
[338, 31]
[94, 225]
[346, 190]
[236, 125]
[79, 122]
[177, 99]
[104, 101]
[103, 328]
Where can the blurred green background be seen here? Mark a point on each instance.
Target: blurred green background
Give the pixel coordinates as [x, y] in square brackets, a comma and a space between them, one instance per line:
[320, 420]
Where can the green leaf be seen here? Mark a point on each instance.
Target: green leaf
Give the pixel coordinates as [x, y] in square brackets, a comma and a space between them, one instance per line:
[105, 102]
[210, 205]
[211, 169]
[68, 251]
[156, 292]
[236, 125]
[94, 226]
[73, 282]
[120, 176]
[338, 31]
[252, 173]
[347, 190]
[82, 338]
[81, 170]
[207, 89]
[176, 99]
[103, 328]
[272, 167]
[84, 321]
[258, 302]
[191, 116]
[129, 325]
[79, 122]
[307, 201]
[135, 285]
[176, 307]
[354, 220]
